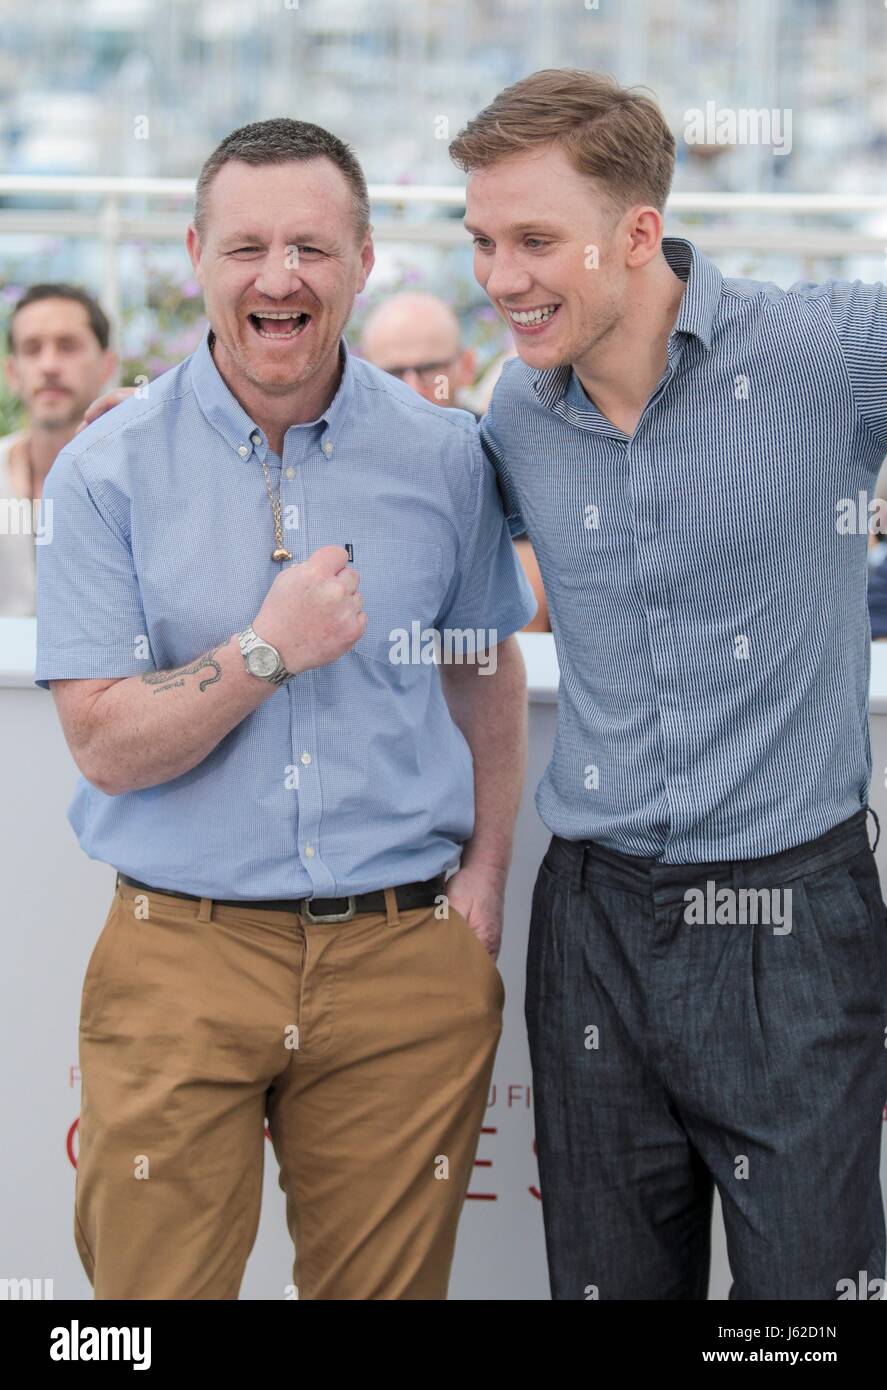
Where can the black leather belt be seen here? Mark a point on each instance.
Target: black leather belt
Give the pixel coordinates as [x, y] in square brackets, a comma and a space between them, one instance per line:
[320, 909]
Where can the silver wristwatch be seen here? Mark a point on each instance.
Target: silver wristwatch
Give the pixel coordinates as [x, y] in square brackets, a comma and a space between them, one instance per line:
[262, 659]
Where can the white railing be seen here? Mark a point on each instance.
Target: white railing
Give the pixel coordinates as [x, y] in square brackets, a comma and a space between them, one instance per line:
[125, 209]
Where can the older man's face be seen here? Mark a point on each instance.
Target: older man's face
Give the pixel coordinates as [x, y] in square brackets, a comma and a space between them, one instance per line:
[280, 263]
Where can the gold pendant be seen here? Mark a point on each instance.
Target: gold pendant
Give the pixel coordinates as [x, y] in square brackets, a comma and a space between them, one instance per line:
[281, 554]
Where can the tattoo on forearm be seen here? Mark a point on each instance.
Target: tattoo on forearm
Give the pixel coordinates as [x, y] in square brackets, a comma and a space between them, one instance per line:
[168, 680]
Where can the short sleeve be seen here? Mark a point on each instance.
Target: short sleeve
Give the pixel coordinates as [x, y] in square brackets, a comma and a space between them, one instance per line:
[516, 524]
[90, 621]
[489, 589]
[859, 314]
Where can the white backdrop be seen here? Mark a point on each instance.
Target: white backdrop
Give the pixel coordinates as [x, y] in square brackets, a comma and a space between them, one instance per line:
[53, 901]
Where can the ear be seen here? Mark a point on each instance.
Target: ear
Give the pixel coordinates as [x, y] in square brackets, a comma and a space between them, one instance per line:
[110, 364]
[644, 227]
[195, 250]
[467, 367]
[12, 375]
[367, 260]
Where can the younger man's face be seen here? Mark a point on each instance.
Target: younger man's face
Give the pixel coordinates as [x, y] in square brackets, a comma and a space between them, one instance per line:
[546, 252]
[57, 365]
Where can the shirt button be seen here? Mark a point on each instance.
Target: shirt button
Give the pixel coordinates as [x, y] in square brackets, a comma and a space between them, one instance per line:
[256, 438]
[290, 472]
[309, 851]
[243, 451]
[306, 758]
[328, 448]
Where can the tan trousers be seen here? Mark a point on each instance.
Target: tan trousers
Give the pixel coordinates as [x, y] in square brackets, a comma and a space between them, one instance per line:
[369, 1047]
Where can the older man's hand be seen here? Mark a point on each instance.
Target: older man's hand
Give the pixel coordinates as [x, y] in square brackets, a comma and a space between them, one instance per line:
[478, 893]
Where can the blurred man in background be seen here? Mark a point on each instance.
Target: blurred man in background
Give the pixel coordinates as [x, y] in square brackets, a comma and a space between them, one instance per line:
[59, 360]
[415, 336]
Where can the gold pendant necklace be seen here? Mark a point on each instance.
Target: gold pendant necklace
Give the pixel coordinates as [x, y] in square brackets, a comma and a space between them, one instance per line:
[279, 552]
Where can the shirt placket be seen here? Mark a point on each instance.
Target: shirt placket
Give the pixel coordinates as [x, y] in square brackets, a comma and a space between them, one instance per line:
[302, 447]
[653, 563]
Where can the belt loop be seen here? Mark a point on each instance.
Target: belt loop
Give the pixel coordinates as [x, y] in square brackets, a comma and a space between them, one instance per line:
[878, 828]
[205, 913]
[391, 908]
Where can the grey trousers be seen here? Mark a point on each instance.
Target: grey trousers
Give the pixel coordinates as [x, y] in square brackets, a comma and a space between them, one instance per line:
[682, 1036]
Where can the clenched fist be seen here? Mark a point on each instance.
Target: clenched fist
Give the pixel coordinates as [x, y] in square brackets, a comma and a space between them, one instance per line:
[313, 612]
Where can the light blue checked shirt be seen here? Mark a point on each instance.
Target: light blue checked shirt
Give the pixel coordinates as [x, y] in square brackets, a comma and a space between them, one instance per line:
[350, 777]
[708, 610]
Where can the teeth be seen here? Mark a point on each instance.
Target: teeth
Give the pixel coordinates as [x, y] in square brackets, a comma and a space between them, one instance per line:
[533, 315]
[299, 318]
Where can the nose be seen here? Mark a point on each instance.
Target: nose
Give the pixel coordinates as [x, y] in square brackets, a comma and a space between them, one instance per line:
[507, 279]
[49, 359]
[279, 276]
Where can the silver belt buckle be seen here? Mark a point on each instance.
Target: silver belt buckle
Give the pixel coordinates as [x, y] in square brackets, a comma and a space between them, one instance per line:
[327, 916]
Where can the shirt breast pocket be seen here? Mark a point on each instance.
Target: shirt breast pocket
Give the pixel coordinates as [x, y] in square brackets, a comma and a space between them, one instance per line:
[403, 589]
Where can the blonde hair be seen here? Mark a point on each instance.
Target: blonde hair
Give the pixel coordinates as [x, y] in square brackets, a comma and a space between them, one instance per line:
[615, 135]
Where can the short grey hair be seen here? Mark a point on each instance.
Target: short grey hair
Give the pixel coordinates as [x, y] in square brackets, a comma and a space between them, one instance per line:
[279, 141]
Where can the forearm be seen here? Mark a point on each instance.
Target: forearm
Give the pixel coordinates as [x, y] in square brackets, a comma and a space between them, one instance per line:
[148, 729]
[491, 711]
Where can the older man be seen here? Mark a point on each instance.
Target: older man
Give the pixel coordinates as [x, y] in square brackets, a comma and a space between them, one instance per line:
[253, 571]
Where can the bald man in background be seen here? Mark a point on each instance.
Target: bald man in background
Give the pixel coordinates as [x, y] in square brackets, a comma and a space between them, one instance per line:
[416, 336]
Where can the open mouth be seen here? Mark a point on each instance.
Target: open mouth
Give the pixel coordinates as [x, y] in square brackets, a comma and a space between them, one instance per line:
[532, 320]
[279, 327]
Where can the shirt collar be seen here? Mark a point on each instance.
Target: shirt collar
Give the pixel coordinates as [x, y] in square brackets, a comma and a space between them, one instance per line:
[702, 295]
[695, 317]
[228, 417]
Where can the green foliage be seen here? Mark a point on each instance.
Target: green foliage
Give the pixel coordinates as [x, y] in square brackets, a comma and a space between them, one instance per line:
[11, 414]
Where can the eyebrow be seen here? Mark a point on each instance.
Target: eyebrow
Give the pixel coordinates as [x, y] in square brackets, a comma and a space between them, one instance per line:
[241, 236]
[257, 238]
[66, 335]
[519, 227]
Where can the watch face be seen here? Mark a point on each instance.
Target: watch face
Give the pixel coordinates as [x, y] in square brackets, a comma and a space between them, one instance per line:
[262, 661]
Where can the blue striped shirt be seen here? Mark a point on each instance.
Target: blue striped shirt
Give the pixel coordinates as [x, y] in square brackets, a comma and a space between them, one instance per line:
[706, 576]
[350, 777]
